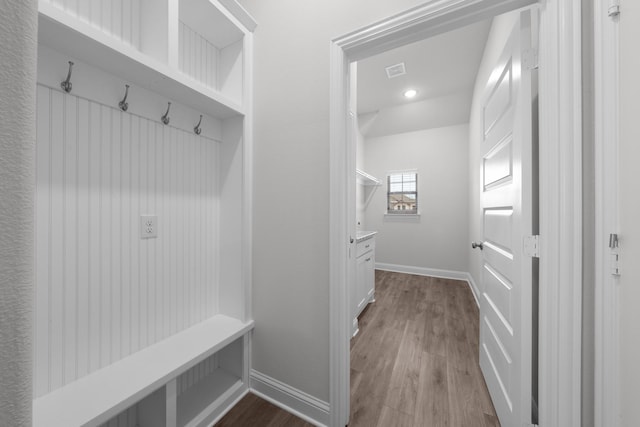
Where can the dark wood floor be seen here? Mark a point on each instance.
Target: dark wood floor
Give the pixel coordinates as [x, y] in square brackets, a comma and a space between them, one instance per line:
[414, 362]
[253, 411]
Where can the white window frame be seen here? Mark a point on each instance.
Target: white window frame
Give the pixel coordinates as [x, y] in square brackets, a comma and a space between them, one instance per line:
[402, 212]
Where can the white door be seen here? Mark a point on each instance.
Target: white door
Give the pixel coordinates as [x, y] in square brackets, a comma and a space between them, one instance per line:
[506, 202]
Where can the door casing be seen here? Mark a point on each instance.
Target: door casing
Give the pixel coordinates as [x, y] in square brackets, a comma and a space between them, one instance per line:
[560, 188]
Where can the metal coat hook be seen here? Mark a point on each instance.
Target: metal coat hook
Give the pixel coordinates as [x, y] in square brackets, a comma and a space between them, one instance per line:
[165, 119]
[198, 129]
[66, 85]
[124, 105]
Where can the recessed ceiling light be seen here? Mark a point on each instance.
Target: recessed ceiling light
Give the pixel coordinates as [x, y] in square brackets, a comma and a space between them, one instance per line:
[410, 93]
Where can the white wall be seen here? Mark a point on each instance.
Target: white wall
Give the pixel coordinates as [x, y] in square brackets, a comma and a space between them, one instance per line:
[18, 29]
[430, 113]
[500, 29]
[291, 246]
[629, 215]
[438, 238]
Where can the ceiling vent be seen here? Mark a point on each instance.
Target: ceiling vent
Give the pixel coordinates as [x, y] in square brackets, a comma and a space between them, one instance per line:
[396, 70]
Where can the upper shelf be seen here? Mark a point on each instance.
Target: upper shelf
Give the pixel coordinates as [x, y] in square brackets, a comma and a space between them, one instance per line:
[366, 179]
[148, 48]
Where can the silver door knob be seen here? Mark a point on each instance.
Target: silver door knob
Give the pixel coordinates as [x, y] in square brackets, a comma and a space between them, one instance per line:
[476, 245]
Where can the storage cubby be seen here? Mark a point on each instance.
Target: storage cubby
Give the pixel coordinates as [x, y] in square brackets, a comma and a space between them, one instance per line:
[210, 48]
[135, 331]
[149, 412]
[139, 24]
[207, 385]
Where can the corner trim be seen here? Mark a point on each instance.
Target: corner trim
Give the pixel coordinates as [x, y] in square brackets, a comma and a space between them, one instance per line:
[607, 329]
[298, 403]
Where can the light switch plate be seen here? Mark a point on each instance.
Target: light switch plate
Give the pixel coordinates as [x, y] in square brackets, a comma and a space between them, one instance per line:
[148, 226]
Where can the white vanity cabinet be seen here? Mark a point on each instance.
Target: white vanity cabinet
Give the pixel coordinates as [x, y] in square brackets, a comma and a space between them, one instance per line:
[363, 291]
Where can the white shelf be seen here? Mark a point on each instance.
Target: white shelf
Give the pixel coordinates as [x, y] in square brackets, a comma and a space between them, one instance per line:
[76, 38]
[366, 179]
[99, 396]
[202, 399]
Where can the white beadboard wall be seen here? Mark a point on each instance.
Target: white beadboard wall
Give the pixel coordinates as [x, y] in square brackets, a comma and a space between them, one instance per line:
[119, 18]
[102, 292]
[198, 57]
[197, 373]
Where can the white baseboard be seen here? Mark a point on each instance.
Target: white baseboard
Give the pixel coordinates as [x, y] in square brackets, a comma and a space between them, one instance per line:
[299, 403]
[433, 272]
[474, 288]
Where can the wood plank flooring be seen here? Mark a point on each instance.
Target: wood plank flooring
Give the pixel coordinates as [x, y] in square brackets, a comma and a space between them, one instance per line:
[414, 362]
[253, 411]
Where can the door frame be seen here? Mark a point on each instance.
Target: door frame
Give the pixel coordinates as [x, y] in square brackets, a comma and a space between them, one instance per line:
[560, 188]
[606, 324]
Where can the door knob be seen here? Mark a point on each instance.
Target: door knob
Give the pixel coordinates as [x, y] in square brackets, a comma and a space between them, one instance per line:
[476, 245]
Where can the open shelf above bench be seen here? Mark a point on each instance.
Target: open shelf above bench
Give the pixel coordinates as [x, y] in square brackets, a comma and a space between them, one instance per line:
[101, 395]
[77, 38]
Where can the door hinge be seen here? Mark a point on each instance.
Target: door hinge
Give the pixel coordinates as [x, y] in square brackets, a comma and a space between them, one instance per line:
[532, 246]
[614, 255]
[530, 59]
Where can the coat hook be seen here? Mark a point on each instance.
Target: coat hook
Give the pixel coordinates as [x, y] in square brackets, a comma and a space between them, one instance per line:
[66, 85]
[165, 118]
[198, 129]
[124, 105]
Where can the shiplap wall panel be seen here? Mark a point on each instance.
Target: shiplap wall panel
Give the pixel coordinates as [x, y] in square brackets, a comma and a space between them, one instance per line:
[70, 231]
[119, 18]
[83, 244]
[191, 377]
[102, 292]
[198, 57]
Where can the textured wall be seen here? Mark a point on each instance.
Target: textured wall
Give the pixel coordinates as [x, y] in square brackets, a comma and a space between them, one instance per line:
[18, 32]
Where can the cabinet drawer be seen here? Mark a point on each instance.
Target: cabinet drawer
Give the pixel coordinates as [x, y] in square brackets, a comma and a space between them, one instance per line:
[365, 246]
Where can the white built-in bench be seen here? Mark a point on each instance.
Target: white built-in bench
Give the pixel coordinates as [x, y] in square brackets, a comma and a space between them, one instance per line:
[97, 397]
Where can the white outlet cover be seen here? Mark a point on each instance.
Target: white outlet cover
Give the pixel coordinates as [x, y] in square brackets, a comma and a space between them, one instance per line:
[148, 226]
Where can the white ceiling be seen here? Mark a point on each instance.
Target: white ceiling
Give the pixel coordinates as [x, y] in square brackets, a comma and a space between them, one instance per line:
[442, 69]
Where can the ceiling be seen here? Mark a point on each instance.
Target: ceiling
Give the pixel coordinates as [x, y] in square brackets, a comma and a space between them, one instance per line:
[442, 69]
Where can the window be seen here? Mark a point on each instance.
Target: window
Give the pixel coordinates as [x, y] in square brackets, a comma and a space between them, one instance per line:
[402, 193]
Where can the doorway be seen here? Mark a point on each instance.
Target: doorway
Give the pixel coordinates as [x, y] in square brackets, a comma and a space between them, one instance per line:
[559, 221]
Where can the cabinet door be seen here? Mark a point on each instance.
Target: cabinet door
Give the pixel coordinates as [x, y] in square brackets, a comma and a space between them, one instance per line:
[370, 276]
[361, 281]
[355, 296]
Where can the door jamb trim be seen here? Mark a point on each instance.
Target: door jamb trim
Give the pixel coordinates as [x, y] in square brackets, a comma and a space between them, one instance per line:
[560, 188]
